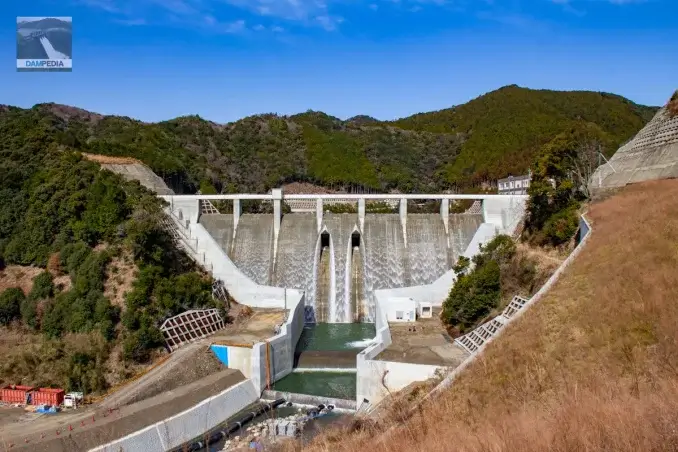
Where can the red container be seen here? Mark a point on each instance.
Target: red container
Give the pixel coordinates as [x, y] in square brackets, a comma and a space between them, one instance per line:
[15, 393]
[47, 396]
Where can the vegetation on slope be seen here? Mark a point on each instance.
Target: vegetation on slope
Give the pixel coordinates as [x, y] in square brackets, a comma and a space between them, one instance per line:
[491, 136]
[592, 366]
[560, 176]
[505, 129]
[486, 283]
[61, 210]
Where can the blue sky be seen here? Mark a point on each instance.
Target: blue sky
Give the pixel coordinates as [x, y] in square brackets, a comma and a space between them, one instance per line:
[225, 59]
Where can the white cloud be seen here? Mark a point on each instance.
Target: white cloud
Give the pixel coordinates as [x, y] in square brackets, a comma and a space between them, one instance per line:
[130, 22]
[209, 14]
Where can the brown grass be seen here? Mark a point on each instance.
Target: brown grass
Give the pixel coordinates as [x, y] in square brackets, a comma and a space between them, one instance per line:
[110, 160]
[592, 367]
[121, 273]
[18, 276]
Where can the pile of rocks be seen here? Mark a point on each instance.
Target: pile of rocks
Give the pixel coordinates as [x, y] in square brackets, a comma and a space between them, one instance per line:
[254, 436]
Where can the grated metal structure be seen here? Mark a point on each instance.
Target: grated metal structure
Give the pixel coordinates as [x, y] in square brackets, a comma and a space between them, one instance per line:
[475, 209]
[190, 326]
[471, 342]
[206, 207]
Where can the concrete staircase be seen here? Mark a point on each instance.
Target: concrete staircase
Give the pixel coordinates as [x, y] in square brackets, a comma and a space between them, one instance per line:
[473, 341]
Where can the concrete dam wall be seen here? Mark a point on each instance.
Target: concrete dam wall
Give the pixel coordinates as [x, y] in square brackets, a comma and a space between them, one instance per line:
[339, 265]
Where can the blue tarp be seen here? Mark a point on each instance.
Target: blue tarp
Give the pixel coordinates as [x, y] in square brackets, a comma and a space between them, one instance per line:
[221, 352]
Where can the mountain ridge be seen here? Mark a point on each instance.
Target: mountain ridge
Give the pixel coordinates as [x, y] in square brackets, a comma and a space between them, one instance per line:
[459, 148]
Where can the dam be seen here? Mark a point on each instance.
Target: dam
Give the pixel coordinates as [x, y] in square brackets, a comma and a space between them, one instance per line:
[338, 260]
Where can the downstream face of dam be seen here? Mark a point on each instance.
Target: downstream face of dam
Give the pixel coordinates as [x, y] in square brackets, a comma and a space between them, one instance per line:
[338, 264]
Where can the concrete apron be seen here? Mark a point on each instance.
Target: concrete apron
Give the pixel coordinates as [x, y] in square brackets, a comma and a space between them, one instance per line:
[341, 405]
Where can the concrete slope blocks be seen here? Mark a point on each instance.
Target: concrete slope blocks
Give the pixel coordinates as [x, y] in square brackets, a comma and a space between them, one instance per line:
[652, 154]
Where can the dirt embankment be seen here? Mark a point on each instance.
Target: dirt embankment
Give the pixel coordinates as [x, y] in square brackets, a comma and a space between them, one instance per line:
[184, 366]
[591, 367]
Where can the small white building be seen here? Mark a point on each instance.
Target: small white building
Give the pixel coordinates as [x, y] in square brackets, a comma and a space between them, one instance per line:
[424, 310]
[401, 309]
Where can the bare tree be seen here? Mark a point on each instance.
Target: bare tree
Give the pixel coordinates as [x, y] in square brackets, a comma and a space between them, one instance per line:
[583, 164]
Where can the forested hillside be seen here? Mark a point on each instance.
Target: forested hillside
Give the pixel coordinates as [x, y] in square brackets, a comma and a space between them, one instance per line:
[506, 128]
[461, 147]
[82, 225]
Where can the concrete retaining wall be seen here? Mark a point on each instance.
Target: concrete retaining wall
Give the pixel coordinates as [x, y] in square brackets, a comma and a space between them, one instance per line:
[381, 378]
[309, 400]
[234, 357]
[280, 349]
[176, 430]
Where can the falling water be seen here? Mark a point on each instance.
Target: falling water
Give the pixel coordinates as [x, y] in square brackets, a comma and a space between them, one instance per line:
[339, 278]
[426, 249]
[294, 267]
[359, 304]
[340, 227]
[384, 251]
[221, 228]
[253, 246]
[323, 286]
[461, 228]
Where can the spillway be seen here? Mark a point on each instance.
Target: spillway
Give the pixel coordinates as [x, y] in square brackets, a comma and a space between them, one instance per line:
[359, 299]
[384, 251]
[340, 227]
[221, 228]
[461, 228]
[253, 247]
[340, 268]
[294, 267]
[323, 290]
[427, 258]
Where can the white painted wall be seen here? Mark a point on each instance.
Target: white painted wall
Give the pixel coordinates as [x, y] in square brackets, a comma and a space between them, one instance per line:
[395, 376]
[183, 427]
[505, 212]
[239, 358]
[406, 307]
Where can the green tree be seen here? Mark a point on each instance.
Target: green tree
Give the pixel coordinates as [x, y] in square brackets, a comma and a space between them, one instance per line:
[554, 193]
[473, 296]
[10, 305]
[43, 286]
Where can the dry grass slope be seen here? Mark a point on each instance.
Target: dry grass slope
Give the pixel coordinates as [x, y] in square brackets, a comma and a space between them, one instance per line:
[592, 367]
